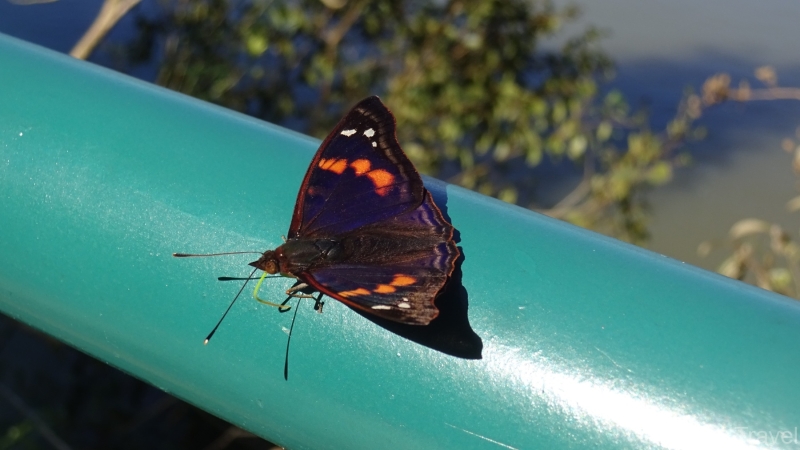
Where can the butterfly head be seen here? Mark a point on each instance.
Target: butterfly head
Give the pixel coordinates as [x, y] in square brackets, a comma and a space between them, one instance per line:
[268, 262]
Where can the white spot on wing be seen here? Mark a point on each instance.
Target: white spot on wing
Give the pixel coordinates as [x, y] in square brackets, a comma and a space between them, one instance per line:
[404, 305]
[369, 133]
[374, 144]
[348, 133]
[381, 307]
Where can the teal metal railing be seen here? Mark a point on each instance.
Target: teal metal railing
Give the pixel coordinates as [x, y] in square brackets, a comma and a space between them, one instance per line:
[586, 342]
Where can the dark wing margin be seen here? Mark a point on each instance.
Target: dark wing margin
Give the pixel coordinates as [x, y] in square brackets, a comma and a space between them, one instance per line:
[359, 176]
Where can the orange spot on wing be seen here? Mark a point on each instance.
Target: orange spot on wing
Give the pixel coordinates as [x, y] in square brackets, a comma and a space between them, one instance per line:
[383, 191]
[384, 289]
[381, 179]
[354, 292]
[334, 165]
[361, 166]
[339, 166]
[403, 280]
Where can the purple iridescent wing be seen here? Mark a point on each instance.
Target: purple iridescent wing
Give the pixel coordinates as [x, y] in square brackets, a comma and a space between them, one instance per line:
[401, 282]
[361, 190]
[359, 176]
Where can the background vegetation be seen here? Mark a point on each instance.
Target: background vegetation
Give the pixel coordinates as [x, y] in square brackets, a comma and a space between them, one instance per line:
[479, 101]
[482, 99]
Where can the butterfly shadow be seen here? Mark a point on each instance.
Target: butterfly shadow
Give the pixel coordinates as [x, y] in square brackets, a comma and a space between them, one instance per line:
[450, 332]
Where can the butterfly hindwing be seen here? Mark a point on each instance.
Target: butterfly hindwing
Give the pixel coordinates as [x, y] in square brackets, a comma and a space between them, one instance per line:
[359, 176]
[398, 294]
[401, 281]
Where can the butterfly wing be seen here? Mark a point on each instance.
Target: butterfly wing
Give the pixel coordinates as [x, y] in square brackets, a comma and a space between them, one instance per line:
[379, 291]
[417, 256]
[359, 176]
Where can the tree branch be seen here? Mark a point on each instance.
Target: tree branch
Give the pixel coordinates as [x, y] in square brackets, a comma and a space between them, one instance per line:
[109, 15]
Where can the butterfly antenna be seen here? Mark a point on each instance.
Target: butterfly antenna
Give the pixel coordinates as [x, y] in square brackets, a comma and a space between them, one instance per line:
[291, 327]
[208, 338]
[288, 341]
[242, 279]
[199, 255]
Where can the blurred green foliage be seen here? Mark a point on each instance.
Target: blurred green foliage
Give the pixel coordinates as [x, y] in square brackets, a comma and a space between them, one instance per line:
[479, 99]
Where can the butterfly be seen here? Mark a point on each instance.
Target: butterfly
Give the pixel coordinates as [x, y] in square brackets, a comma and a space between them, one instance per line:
[365, 231]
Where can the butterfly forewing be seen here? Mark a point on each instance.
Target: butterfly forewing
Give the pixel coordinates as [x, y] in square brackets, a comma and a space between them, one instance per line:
[359, 176]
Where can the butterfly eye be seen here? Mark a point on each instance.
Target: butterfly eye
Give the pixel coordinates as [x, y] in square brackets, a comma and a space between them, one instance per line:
[268, 263]
[271, 267]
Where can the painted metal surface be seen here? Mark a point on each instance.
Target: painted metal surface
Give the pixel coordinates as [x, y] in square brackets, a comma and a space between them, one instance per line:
[586, 342]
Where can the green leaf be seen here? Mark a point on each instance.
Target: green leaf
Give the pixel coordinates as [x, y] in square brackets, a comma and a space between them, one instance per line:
[660, 173]
[577, 147]
[256, 44]
[604, 130]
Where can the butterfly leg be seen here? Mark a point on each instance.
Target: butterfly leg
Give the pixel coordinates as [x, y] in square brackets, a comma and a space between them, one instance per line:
[292, 291]
[318, 303]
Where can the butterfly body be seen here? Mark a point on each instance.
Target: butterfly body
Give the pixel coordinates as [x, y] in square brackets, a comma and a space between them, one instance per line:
[365, 231]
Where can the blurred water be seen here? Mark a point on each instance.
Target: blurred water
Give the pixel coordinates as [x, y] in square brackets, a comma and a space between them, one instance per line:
[739, 170]
[57, 25]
